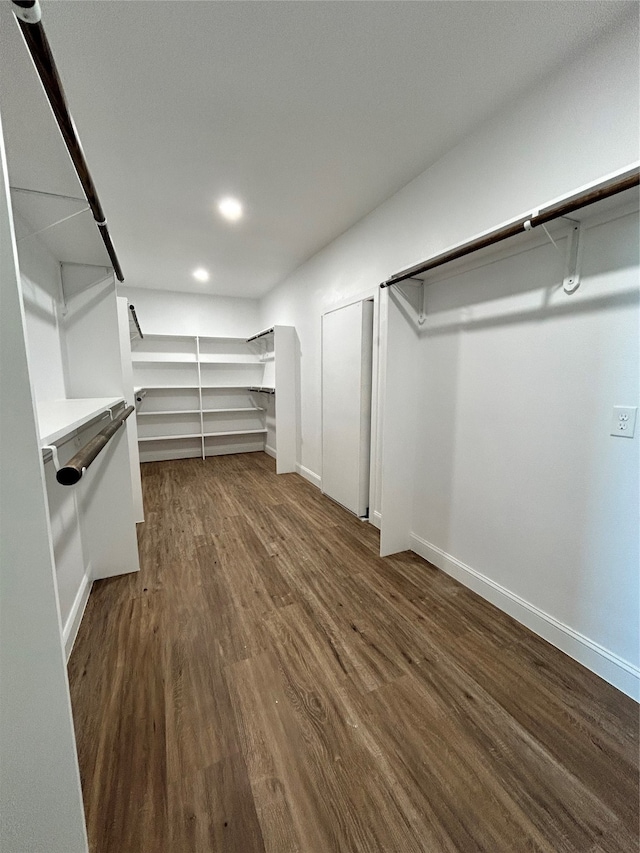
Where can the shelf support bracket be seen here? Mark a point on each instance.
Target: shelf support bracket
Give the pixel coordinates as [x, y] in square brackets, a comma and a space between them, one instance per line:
[79, 277]
[415, 298]
[571, 281]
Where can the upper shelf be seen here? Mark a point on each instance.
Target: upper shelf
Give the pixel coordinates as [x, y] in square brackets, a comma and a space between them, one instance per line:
[59, 418]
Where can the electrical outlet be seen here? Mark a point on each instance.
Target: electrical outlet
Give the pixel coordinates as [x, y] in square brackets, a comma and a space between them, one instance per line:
[623, 422]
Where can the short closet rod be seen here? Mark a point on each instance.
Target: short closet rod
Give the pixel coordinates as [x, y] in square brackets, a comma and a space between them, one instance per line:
[28, 14]
[78, 464]
[260, 390]
[259, 335]
[556, 211]
[135, 320]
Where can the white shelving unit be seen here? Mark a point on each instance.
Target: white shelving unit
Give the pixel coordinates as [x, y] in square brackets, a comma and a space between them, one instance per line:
[206, 396]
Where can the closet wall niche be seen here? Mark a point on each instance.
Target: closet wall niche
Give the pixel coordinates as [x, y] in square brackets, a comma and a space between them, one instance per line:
[200, 396]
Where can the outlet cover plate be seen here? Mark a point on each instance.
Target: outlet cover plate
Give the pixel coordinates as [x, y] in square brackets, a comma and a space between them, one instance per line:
[623, 421]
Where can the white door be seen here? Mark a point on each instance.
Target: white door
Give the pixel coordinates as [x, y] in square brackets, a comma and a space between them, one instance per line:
[347, 343]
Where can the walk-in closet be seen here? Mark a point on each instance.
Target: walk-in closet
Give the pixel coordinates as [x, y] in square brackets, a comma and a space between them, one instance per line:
[319, 447]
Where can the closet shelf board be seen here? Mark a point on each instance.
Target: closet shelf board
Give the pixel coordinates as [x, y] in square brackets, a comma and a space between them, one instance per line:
[169, 437]
[221, 338]
[161, 337]
[231, 361]
[58, 418]
[170, 412]
[171, 387]
[243, 409]
[189, 361]
[235, 432]
[200, 435]
[225, 387]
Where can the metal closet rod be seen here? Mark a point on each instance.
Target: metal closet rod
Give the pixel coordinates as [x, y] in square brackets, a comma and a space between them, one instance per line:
[563, 208]
[135, 320]
[260, 335]
[28, 15]
[70, 473]
[261, 390]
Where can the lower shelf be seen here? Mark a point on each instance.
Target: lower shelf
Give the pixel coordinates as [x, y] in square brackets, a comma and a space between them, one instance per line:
[199, 435]
[235, 432]
[159, 448]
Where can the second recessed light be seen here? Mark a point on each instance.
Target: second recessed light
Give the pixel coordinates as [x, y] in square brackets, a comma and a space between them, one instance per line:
[200, 274]
[230, 208]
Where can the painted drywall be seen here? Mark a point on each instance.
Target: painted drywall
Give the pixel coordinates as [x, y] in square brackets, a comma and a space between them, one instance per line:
[162, 312]
[40, 795]
[578, 126]
[582, 124]
[40, 276]
[517, 475]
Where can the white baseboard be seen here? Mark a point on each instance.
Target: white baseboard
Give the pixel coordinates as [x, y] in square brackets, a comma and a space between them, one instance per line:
[309, 475]
[270, 451]
[376, 519]
[70, 630]
[609, 666]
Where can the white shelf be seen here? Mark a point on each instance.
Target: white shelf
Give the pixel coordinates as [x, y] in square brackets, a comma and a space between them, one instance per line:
[243, 409]
[197, 435]
[162, 337]
[223, 338]
[229, 371]
[141, 359]
[170, 387]
[200, 435]
[235, 432]
[225, 387]
[233, 360]
[58, 418]
[171, 412]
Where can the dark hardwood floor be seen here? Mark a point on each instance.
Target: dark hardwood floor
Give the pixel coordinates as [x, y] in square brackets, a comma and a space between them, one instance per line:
[268, 683]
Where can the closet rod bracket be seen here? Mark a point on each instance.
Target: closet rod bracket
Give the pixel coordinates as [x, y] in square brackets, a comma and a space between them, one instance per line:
[571, 281]
[54, 455]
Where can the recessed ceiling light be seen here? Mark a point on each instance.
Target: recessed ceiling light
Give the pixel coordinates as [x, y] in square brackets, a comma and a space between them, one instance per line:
[230, 208]
[200, 274]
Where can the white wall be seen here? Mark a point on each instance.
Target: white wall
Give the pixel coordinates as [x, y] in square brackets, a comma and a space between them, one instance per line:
[40, 275]
[579, 126]
[520, 491]
[163, 312]
[40, 795]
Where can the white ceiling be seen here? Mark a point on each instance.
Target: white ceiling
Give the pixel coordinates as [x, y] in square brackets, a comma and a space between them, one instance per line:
[312, 113]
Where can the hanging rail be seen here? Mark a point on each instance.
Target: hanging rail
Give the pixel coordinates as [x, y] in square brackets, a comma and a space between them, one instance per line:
[70, 473]
[135, 320]
[28, 14]
[555, 211]
[260, 335]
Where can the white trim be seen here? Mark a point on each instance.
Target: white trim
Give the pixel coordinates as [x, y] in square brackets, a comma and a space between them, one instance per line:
[270, 451]
[309, 475]
[376, 519]
[609, 666]
[76, 613]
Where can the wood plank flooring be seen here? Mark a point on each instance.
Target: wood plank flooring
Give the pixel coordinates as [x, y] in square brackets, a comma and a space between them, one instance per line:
[268, 684]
